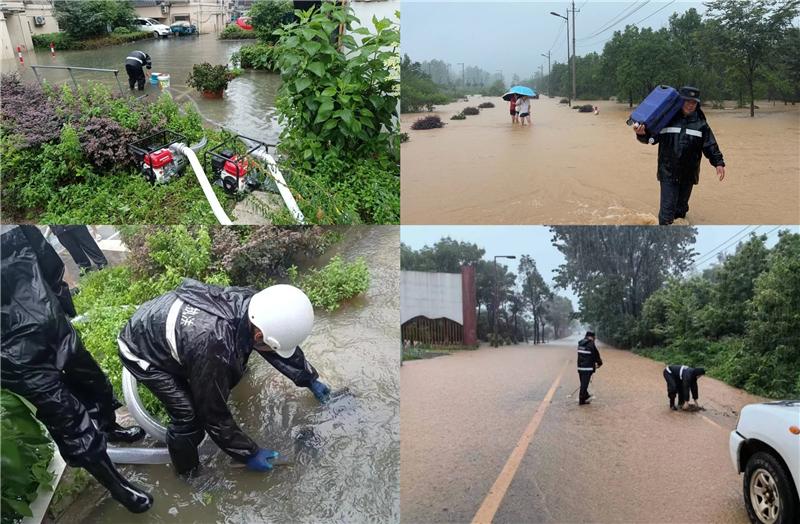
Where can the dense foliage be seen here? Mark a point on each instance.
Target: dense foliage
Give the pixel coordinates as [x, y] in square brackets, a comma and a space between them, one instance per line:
[254, 56]
[26, 453]
[485, 105]
[739, 320]
[208, 77]
[428, 122]
[88, 18]
[65, 42]
[266, 16]
[338, 105]
[471, 111]
[458, 116]
[75, 143]
[161, 256]
[234, 32]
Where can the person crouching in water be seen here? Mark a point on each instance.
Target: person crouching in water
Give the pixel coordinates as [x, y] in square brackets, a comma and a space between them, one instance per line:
[680, 146]
[190, 347]
[134, 64]
[681, 380]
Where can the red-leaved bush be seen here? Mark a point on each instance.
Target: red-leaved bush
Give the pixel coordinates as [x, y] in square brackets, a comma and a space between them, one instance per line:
[27, 112]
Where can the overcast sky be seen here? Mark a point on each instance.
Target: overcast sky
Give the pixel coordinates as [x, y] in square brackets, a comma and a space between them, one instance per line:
[511, 36]
[536, 241]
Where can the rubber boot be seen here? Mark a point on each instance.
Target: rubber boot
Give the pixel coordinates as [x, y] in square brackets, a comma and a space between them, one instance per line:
[134, 499]
[117, 433]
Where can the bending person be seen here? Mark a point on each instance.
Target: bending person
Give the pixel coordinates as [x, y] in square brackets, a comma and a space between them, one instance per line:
[44, 361]
[681, 381]
[190, 347]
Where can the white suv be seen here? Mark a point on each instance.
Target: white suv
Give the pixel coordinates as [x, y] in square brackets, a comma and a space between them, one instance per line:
[154, 26]
[766, 447]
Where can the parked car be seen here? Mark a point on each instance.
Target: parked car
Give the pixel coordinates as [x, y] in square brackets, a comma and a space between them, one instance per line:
[765, 446]
[154, 26]
[182, 27]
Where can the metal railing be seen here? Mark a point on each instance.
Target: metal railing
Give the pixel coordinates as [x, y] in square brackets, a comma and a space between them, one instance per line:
[70, 69]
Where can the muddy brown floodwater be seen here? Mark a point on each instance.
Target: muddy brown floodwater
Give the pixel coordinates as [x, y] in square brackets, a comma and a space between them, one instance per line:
[624, 458]
[345, 455]
[581, 168]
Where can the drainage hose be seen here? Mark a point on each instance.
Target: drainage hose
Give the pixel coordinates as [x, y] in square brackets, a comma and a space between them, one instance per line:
[286, 194]
[204, 183]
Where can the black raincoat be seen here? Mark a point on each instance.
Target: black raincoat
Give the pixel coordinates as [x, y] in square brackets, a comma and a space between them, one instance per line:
[43, 358]
[681, 381]
[192, 366]
[680, 146]
[588, 360]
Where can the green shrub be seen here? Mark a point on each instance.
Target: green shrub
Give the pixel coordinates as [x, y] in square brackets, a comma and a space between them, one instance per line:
[26, 453]
[254, 56]
[333, 284]
[92, 17]
[458, 116]
[234, 32]
[65, 42]
[471, 111]
[207, 77]
[268, 15]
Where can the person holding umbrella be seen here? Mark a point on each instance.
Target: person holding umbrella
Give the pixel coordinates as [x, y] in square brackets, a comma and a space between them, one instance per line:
[524, 109]
[513, 109]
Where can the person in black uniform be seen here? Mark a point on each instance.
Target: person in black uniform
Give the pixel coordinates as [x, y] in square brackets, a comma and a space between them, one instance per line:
[81, 246]
[588, 362]
[682, 380]
[680, 146]
[134, 64]
[44, 361]
[190, 347]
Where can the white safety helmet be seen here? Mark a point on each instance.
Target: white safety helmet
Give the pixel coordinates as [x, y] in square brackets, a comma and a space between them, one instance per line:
[284, 315]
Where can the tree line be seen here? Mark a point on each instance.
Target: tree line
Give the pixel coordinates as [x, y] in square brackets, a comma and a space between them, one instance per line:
[527, 309]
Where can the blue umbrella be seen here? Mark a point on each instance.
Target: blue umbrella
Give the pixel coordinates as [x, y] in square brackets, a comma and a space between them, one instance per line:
[519, 90]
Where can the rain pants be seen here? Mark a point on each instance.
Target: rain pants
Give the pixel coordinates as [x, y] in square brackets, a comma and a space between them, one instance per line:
[190, 348]
[43, 358]
[588, 359]
[681, 381]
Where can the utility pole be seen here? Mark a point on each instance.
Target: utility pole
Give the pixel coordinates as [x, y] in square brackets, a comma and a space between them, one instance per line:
[569, 100]
[541, 76]
[574, 94]
[548, 74]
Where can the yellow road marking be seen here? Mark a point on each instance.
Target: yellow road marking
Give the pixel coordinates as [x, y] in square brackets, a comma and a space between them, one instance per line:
[711, 422]
[498, 490]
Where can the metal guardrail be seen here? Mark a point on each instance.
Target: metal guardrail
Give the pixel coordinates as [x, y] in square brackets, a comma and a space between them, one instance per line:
[71, 68]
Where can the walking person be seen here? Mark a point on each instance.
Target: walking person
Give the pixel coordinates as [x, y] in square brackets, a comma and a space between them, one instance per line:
[680, 146]
[45, 362]
[681, 381]
[81, 246]
[524, 109]
[134, 64]
[190, 347]
[588, 362]
[513, 109]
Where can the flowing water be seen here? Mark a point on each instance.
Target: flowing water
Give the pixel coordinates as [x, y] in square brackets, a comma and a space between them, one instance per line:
[345, 456]
[581, 168]
[248, 106]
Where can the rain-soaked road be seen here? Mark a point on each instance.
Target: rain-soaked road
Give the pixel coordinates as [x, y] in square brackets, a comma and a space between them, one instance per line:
[624, 458]
[581, 168]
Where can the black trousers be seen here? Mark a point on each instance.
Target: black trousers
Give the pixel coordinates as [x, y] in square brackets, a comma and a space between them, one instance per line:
[674, 200]
[585, 377]
[674, 389]
[135, 76]
[67, 401]
[81, 247]
[185, 431]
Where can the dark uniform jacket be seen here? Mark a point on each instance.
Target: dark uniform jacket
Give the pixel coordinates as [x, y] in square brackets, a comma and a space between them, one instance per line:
[588, 356]
[686, 378]
[680, 146]
[211, 342]
[138, 59]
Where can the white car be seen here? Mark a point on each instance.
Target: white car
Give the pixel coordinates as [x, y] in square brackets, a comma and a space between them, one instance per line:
[766, 447]
[154, 26]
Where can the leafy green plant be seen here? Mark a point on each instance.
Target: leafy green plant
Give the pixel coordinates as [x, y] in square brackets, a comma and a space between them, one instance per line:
[428, 122]
[254, 56]
[26, 453]
[485, 105]
[336, 282]
[212, 78]
[268, 15]
[471, 111]
[234, 32]
[458, 116]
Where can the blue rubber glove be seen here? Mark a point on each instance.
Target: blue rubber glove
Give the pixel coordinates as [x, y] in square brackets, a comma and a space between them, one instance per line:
[260, 461]
[321, 391]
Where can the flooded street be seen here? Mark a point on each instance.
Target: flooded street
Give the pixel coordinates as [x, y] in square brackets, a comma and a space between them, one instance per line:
[345, 455]
[581, 168]
[624, 458]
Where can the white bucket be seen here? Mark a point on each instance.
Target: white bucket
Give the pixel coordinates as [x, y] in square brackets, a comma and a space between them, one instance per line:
[163, 81]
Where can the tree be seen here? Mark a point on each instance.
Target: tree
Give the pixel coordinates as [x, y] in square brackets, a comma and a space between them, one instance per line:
[751, 31]
[614, 269]
[268, 15]
[91, 18]
[558, 313]
[536, 291]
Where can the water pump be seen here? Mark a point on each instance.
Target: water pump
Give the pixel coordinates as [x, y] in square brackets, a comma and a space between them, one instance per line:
[157, 157]
[235, 166]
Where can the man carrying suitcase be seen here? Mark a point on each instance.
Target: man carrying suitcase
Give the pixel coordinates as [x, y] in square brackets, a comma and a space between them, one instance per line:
[680, 146]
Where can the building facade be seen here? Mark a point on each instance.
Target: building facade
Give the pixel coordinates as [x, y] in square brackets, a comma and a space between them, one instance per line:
[210, 16]
[19, 19]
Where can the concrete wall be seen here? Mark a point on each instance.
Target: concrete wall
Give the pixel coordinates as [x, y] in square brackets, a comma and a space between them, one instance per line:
[432, 295]
[50, 22]
[208, 15]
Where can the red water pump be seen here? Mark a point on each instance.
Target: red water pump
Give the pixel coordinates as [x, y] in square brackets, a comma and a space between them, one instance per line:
[237, 171]
[158, 162]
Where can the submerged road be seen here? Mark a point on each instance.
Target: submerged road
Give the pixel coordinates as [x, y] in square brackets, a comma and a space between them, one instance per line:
[478, 443]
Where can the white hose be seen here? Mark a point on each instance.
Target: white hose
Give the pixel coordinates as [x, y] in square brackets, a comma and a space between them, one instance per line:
[204, 183]
[283, 188]
[148, 423]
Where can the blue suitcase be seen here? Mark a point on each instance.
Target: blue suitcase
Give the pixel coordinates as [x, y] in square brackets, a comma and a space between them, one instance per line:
[656, 111]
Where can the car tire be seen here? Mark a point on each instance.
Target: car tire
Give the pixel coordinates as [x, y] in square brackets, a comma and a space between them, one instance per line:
[156, 35]
[767, 485]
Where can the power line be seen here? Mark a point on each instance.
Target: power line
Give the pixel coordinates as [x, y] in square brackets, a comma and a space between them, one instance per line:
[709, 255]
[587, 43]
[560, 30]
[617, 19]
[654, 12]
